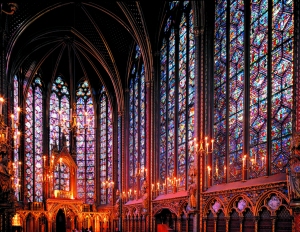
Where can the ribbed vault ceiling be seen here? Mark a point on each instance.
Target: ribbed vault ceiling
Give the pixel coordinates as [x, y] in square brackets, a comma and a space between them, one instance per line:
[91, 40]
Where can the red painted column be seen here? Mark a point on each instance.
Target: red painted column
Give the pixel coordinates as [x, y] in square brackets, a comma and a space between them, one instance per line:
[149, 161]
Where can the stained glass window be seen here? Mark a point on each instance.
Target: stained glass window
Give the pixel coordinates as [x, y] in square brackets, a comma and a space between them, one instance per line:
[59, 114]
[62, 176]
[85, 143]
[270, 81]
[177, 90]
[16, 164]
[33, 135]
[137, 122]
[106, 148]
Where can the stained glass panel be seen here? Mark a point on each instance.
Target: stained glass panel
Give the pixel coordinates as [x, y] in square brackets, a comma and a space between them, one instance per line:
[258, 86]
[236, 85]
[29, 147]
[17, 174]
[106, 147]
[38, 144]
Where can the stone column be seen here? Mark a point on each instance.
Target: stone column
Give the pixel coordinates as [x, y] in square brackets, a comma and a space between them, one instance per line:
[227, 223]
[50, 225]
[273, 223]
[178, 223]
[153, 224]
[204, 224]
[36, 224]
[215, 224]
[241, 224]
[24, 225]
[256, 224]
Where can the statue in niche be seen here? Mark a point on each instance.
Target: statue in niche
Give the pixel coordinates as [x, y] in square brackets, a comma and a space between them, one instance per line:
[294, 169]
[192, 202]
[144, 191]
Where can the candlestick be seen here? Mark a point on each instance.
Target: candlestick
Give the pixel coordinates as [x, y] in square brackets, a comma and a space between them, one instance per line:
[1, 102]
[18, 114]
[12, 121]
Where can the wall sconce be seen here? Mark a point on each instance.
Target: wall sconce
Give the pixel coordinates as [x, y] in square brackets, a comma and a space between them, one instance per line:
[206, 148]
[108, 184]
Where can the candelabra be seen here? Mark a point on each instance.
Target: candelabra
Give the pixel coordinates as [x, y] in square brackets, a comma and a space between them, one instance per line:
[108, 184]
[213, 172]
[216, 176]
[200, 149]
[254, 166]
[6, 132]
[73, 126]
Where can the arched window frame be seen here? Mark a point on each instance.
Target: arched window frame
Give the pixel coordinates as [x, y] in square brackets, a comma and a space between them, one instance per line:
[59, 116]
[106, 148]
[85, 143]
[33, 141]
[263, 123]
[137, 123]
[177, 93]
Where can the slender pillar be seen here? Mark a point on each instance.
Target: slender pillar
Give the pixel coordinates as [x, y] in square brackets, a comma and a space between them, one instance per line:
[49, 225]
[227, 223]
[273, 218]
[241, 224]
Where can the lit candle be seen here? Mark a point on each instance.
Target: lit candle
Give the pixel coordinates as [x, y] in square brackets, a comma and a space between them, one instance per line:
[18, 114]
[224, 169]
[208, 170]
[212, 144]
[244, 158]
[1, 102]
[18, 137]
[12, 121]
[6, 133]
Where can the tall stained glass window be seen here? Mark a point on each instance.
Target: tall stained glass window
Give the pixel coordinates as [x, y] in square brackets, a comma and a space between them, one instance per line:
[33, 137]
[137, 122]
[85, 143]
[59, 113]
[177, 90]
[270, 78]
[17, 167]
[106, 147]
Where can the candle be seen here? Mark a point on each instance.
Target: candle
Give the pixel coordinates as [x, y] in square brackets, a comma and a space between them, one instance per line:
[6, 133]
[12, 121]
[1, 102]
[208, 170]
[244, 158]
[18, 114]
[212, 144]
[157, 186]
[224, 169]
[207, 147]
